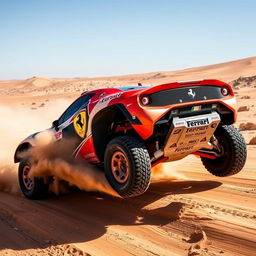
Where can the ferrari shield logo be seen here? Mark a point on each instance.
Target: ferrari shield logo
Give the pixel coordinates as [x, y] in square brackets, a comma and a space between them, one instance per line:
[80, 124]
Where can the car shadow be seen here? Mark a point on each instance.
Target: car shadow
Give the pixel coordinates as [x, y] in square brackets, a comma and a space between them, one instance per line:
[84, 216]
[183, 187]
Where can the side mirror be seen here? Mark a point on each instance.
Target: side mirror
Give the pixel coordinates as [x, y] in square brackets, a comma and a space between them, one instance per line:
[55, 124]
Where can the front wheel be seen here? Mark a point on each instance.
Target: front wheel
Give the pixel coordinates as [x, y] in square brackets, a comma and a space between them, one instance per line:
[127, 166]
[31, 187]
[234, 152]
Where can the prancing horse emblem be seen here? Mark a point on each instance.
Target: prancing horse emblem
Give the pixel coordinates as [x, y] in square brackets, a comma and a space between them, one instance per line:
[191, 93]
[80, 124]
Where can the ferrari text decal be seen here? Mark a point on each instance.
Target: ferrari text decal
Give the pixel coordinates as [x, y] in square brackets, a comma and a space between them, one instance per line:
[109, 98]
[198, 122]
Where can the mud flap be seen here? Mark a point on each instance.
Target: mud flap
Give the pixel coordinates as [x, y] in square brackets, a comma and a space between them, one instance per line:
[189, 134]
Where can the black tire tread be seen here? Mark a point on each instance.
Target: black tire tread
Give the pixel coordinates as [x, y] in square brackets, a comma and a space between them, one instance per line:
[239, 153]
[141, 161]
[40, 190]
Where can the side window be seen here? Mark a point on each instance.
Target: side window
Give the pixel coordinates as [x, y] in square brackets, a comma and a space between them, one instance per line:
[74, 107]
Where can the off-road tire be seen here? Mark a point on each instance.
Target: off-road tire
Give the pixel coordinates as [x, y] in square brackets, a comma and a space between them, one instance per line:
[139, 166]
[39, 188]
[235, 153]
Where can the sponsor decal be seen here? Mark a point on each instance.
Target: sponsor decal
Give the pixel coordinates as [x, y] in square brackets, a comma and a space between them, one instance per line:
[58, 135]
[198, 122]
[183, 149]
[109, 98]
[195, 129]
[180, 123]
[174, 145]
[196, 108]
[189, 135]
[177, 131]
[199, 133]
[203, 139]
[192, 141]
[195, 134]
[80, 124]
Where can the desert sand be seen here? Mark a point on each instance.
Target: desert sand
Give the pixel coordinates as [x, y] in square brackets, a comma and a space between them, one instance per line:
[186, 210]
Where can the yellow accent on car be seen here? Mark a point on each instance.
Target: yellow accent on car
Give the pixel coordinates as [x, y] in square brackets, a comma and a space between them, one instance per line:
[80, 124]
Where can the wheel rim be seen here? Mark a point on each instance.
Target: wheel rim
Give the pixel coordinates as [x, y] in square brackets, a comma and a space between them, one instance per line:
[27, 181]
[120, 167]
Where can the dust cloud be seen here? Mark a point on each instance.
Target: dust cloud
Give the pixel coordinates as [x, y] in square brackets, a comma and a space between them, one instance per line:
[49, 160]
[168, 171]
[16, 124]
[19, 122]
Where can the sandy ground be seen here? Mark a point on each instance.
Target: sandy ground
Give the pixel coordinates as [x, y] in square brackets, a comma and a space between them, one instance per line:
[186, 211]
[192, 213]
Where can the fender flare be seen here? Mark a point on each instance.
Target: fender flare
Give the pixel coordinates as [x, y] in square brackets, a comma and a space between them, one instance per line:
[25, 145]
[132, 119]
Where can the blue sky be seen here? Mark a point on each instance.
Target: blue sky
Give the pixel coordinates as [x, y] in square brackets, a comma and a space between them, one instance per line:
[79, 38]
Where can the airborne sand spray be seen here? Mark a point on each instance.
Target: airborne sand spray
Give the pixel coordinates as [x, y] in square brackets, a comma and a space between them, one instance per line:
[168, 171]
[16, 123]
[54, 160]
[19, 122]
[8, 179]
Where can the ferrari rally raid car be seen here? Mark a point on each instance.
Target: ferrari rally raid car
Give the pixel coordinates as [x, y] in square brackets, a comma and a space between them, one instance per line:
[133, 128]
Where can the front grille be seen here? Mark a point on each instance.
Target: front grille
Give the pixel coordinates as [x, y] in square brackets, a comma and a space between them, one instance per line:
[185, 94]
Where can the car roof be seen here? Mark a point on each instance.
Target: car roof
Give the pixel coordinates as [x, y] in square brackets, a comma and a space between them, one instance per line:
[124, 88]
[131, 87]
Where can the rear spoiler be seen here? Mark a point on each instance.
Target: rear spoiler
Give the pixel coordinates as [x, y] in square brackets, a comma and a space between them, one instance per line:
[162, 87]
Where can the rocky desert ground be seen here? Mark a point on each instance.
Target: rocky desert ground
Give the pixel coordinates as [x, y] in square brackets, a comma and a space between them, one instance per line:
[186, 211]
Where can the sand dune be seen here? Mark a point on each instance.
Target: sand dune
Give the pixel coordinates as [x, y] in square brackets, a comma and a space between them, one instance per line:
[227, 72]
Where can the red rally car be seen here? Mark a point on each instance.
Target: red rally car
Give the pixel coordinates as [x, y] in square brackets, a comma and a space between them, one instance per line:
[130, 129]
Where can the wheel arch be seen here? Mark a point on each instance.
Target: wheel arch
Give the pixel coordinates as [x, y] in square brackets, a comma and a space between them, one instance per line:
[138, 170]
[101, 125]
[24, 146]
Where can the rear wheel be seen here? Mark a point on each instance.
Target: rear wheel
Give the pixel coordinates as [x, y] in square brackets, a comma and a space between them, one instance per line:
[31, 187]
[127, 166]
[234, 152]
